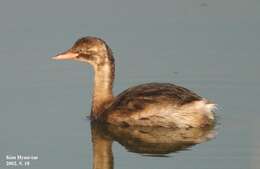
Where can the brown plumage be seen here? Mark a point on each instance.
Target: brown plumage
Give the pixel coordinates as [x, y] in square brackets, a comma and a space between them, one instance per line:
[152, 104]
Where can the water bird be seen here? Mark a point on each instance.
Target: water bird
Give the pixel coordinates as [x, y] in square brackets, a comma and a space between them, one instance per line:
[151, 104]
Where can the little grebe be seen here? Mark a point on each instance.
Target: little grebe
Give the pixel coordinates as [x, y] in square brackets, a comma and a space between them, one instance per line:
[151, 104]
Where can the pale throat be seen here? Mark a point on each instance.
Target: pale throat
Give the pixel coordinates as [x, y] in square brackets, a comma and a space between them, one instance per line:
[103, 84]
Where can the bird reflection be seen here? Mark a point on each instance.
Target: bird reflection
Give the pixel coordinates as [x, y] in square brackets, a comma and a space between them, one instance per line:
[149, 141]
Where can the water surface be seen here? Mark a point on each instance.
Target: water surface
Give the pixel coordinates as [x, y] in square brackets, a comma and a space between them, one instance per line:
[212, 49]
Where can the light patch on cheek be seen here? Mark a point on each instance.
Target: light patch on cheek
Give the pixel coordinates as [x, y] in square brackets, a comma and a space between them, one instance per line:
[98, 60]
[98, 49]
[93, 49]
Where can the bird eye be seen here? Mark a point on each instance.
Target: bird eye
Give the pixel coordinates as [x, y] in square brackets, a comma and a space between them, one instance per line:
[80, 50]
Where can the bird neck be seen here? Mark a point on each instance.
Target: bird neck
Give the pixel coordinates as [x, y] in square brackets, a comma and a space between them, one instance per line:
[103, 85]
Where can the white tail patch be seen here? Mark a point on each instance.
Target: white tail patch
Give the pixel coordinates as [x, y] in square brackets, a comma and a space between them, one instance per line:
[203, 106]
[211, 106]
[208, 108]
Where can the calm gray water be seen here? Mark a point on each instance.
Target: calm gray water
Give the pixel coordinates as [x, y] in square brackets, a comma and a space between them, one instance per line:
[211, 47]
